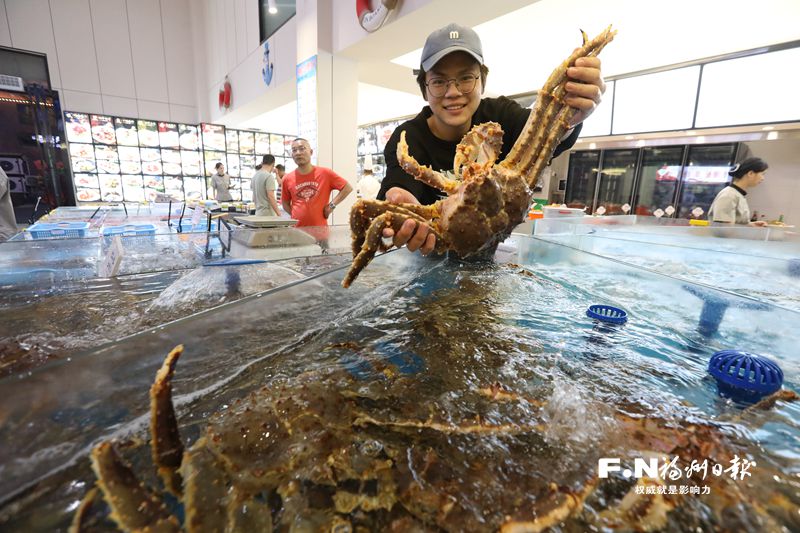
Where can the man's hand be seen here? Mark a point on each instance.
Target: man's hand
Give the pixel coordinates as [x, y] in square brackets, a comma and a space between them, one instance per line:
[414, 235]
[585, 88]
[326, 211]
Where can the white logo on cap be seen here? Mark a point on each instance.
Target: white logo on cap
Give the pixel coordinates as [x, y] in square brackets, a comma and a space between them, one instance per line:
[454, 35]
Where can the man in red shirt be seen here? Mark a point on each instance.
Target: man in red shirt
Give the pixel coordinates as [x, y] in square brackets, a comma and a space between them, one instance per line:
[306, 192]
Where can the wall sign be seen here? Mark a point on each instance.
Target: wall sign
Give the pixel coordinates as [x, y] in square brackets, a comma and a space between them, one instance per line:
[269, 66]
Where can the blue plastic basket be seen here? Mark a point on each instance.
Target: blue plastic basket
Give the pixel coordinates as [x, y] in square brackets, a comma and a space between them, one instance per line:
[187, 227]
[133, 230]
[607, 313]
[744, 375]
[58, 230]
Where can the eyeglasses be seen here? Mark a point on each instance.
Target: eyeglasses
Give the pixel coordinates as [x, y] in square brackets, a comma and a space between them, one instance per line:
[465, 84]
[299, 148]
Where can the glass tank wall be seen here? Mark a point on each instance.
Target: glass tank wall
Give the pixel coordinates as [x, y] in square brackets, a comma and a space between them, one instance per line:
[412, 344]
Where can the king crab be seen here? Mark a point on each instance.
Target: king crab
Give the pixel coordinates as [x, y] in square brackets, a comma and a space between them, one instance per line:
[322, 452]
[486, 201]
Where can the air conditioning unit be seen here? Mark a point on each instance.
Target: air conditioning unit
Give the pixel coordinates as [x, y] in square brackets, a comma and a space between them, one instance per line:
[11, 83]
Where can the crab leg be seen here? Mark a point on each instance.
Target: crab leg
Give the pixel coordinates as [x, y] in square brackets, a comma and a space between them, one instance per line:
[133, 506]
[558, 505]
[364, 211]
[422, 173]
[373, 238]
[77, 525]
[527, 142]
[166, 445]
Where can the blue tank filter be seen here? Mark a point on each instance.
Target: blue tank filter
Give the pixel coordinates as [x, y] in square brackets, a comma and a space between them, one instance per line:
[715, 303]
[794, 267]
[607, 314]
[744, 376]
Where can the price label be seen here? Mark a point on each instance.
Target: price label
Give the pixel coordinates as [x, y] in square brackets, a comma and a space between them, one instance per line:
[108, 267]
[196, 214]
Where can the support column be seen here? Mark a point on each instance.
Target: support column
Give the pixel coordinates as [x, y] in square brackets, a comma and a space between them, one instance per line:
[334, 132]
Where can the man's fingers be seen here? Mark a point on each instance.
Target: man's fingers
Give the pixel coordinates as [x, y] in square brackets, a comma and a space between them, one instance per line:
[590, 75]
[584, 90]
[418, 239]
[430, 244]
[405, 233]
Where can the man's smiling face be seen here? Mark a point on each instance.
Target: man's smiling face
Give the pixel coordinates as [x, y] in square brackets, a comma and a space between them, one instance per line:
[452, 112]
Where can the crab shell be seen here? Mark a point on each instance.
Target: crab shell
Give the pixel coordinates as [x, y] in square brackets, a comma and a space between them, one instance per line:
[324, 453]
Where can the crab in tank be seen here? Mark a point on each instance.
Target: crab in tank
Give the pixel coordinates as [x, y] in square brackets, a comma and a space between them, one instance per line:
[325, 452]
[485, 201]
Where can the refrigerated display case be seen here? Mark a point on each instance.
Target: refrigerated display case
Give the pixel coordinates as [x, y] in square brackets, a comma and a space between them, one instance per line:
[658, 179]
[616, 181]
[667, 181]
[116, 159]
[372, 140]
[704, 175]
[582, 180]
[245, 149]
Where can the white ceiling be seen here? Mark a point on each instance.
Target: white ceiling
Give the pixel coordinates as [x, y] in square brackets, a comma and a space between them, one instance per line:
[523, 46]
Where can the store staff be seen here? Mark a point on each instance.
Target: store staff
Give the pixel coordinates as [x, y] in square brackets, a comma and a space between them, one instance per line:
[221, 183]
[730, 205]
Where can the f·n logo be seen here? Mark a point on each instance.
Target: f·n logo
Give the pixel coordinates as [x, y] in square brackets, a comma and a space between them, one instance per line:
[454, 35]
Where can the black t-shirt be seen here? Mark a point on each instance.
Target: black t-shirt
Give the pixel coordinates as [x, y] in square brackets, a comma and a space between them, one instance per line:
[429, 150]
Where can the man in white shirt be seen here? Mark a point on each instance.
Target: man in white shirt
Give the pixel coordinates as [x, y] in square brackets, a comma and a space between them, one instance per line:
[264, 185]
[368, 186]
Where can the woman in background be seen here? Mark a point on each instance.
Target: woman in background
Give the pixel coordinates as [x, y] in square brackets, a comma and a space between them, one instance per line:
[221, 183]
[730, 205]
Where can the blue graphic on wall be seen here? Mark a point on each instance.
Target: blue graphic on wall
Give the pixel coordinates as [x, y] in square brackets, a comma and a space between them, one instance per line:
[266, 71]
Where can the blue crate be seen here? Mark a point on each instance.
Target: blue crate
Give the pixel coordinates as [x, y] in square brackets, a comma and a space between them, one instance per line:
[130, 230]
[59, 230]
[186, 226]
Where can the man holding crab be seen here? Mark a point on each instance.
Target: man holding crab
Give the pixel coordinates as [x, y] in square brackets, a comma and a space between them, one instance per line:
[452, 77]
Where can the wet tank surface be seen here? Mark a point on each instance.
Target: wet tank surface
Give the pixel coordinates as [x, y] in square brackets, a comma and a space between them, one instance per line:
[432, 395]
[731, 259]
[46, 319]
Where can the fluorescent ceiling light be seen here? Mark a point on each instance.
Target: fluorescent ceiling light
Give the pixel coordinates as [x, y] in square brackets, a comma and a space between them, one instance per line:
[272, 9]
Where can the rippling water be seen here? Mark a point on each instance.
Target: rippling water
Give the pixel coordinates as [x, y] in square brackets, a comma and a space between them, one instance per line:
[494, 397]
[42, 321]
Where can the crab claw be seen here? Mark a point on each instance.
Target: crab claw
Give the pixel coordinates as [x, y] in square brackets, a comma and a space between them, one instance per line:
[166, 445]
[133, 506]
[480, 145]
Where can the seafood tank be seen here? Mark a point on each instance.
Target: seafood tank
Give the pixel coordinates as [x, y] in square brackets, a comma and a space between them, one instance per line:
[744, 260]
[55, 303]
[431, 395]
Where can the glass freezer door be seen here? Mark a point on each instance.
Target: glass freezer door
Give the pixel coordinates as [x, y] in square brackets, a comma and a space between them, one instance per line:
[705, 174]
[658, 180]
[582, 178]
[616, 180]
